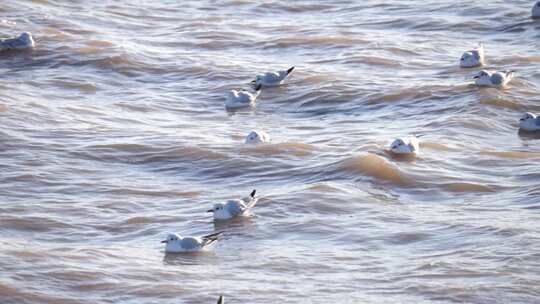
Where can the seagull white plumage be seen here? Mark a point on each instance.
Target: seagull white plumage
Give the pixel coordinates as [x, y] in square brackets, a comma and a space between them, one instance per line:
[234, 208]
[529, 122]
[240, 99]
[493, 79]
[23, 42]
[257, 137]
[473, 58]
[272, 79]
[536, 10]
[405, 146]
[177, 244]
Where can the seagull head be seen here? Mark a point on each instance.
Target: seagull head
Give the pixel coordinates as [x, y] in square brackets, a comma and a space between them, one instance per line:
[257, 137]
[258, 80]
[220, 212]
[171, 238]
[527, 116]
[483, 78]
[536, 10]
[481, 74]
[399, 146]
[468, 60]
[26, 37]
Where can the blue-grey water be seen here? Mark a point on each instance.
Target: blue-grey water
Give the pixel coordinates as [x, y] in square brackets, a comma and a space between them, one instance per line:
[114, 132]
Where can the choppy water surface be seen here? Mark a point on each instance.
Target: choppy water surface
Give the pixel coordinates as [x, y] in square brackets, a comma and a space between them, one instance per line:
[114, 132]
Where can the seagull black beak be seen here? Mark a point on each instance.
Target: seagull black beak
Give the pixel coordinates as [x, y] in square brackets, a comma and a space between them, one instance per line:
[210, 210]
[165, 241]
[476, 77]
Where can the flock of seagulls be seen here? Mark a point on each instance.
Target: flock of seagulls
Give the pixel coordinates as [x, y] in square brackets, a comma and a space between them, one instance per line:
[236, 99]
[401, 146]
[243, 98]
[231, 209]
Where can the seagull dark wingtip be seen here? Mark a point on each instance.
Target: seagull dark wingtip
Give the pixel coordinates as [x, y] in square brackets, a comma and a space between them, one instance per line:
[252, 194]
[221, 300]
[213, 236]
[290, 70]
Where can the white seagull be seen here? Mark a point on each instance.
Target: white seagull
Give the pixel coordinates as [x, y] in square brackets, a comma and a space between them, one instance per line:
[473, 58]
[493, 79]
[239, 99]
[234, 208]
[272, 79]
[529, 122]
[257, 137]
[178, 244]
[23, 42]
[405, 146]
[536, 10]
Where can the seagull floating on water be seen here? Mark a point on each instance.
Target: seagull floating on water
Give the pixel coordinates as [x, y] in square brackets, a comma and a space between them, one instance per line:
[178, 244]
[405, 146]
[536, 10]
[493, 79]
[234, 208]
[240, 99]
[272, 79]
[23, 42]
[473, 58]
[257, 137]
[529, 122]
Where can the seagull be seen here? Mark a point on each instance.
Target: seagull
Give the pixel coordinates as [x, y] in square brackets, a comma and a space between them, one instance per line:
[536, 10]
[473, 58]
[257, 137]
[234, 208]
[221, 300]
[178, 244]
[272, 79]
[529, 122]
[239, 99]
[23, 42]
[494, 79]
[405, 146]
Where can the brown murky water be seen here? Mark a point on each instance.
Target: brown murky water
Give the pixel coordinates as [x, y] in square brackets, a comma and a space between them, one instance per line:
[114, 133]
